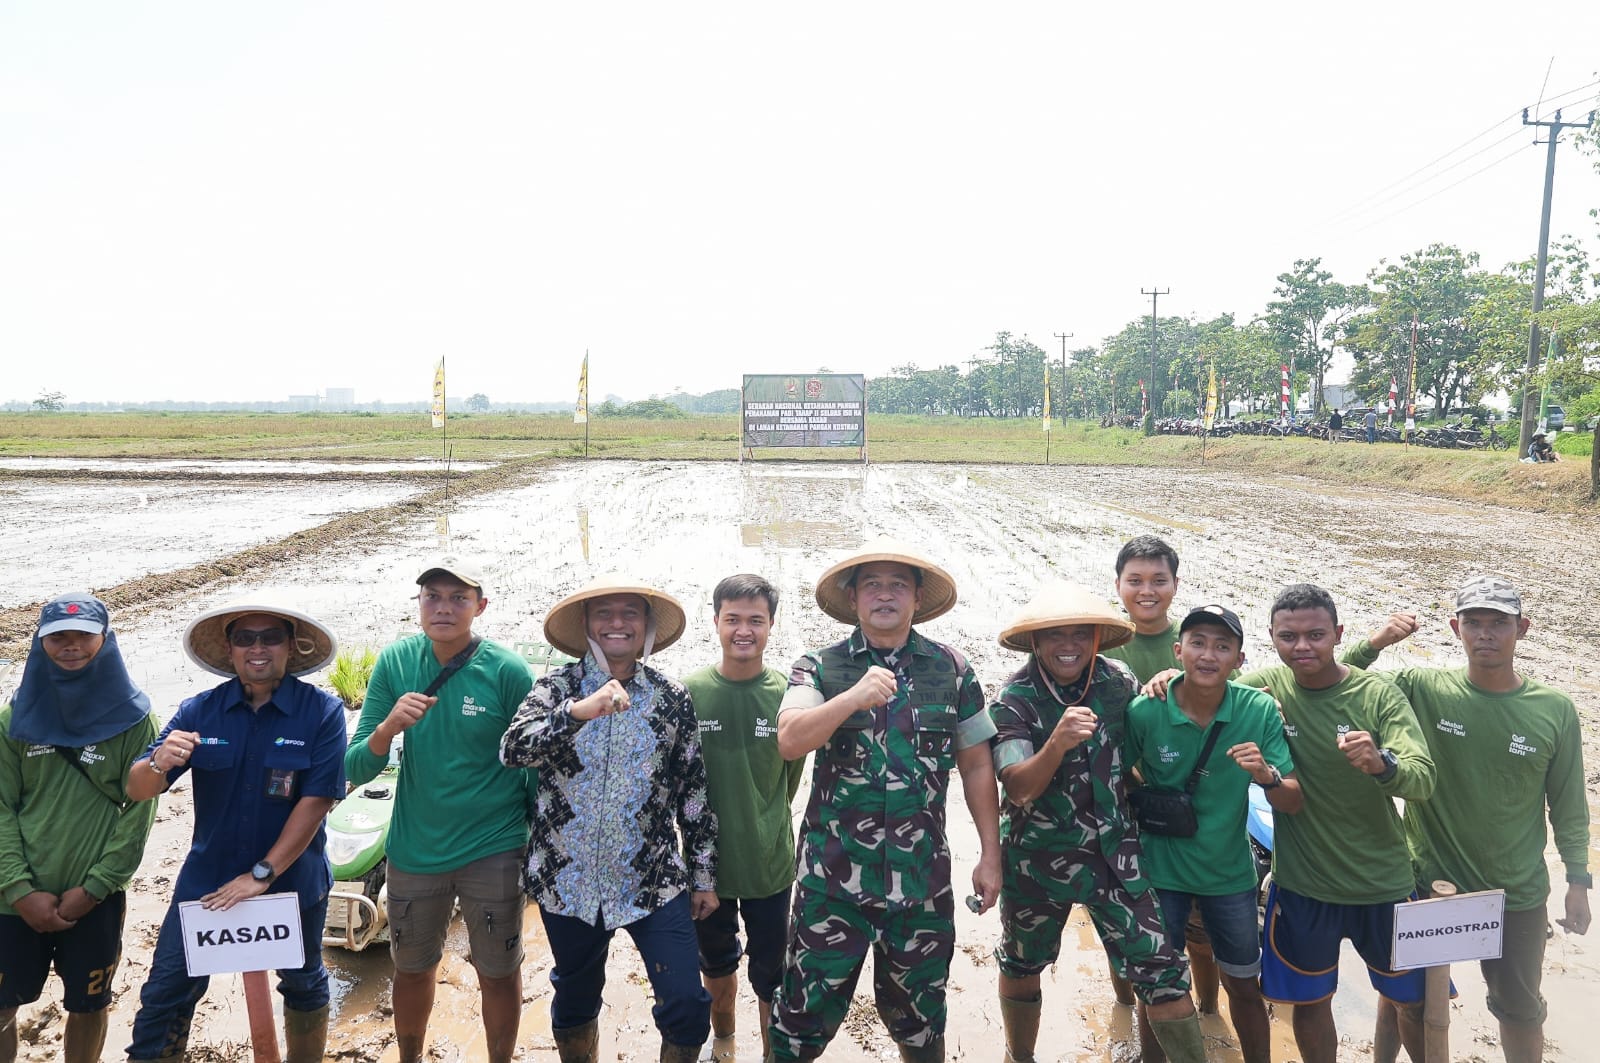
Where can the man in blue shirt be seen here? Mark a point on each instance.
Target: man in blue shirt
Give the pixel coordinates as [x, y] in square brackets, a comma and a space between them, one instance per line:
[267, 752]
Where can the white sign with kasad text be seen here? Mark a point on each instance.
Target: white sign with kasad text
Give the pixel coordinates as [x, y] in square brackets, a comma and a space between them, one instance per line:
[1448, 930]
[260, 934]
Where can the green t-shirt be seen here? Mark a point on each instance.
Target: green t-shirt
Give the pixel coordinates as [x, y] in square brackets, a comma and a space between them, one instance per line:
[1499, 758]
[455, 802]
[1346, 846]
[750, 786]
[56, 832]
[1164, 744]
[1150, 655]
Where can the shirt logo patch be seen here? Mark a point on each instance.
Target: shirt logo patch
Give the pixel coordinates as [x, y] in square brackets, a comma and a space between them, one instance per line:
[1450, 727]
[765, 728]
[472, 708]
[1519, 745]
[1168, 754]
[1290, 730]
[88, 756]
[710, 725]
[1340, 731]
[287, 742]
[40, 751]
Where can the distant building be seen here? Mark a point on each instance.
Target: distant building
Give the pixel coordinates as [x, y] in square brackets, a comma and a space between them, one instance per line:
[339, 398]
[304, 402]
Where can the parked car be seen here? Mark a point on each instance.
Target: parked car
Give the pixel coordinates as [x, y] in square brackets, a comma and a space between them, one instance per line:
[1555, 417]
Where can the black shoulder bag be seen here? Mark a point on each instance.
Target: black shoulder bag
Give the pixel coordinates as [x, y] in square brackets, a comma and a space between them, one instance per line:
[1171, 812]
[71, 756]
[451, 667]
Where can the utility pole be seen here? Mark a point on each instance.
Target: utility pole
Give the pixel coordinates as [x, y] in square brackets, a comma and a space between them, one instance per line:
[1154, 295]
[1530, 411]
[1063, 337]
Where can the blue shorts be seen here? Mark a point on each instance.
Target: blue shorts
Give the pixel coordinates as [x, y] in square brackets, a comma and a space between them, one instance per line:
[1232, 921]
[1300, 950]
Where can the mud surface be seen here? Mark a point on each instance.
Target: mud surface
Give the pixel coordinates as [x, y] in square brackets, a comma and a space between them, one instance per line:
[541, 531]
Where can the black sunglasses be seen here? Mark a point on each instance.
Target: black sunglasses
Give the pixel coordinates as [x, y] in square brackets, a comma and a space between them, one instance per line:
[272, 636]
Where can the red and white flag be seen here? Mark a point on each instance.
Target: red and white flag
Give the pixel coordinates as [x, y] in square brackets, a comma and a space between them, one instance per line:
[1144, 399]
[1283, 400]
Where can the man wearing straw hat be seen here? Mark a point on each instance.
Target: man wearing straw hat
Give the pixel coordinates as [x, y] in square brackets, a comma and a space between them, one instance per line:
[267, 753]
[1060, 724]
[460, 820]
[890, 712]
[620, 778]
[69, 842]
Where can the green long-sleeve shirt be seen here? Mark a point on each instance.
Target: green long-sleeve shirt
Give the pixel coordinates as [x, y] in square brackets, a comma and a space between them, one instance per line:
[1501, 758]
[56, 830]
[455, 802]
[1347, 845]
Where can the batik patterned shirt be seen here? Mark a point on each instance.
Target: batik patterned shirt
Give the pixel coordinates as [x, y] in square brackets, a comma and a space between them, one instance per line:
[1079, 835]
[614, 793]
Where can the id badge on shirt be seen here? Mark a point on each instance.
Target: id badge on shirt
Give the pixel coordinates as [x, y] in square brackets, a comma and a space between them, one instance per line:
[282, 783]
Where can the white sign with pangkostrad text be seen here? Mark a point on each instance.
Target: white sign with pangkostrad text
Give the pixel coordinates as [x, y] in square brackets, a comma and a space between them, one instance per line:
[1446, 930]
[260, 934]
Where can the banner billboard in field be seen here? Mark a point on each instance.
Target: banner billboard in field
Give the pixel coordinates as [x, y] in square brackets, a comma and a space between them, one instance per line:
[805, 410]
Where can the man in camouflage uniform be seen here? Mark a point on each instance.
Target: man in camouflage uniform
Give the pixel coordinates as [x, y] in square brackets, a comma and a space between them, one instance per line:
[1069, 834]
[890, 712]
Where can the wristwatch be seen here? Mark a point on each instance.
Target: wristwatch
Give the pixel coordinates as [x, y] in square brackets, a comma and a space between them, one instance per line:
[1391, 764]
[1581, 878]
[263, 872]
[1273, 783]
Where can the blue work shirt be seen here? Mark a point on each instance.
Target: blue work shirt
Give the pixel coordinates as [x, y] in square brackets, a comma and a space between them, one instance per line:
[250, 769]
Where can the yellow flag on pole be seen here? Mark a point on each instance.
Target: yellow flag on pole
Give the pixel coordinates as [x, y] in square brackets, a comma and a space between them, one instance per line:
[438, 394]
[580, 412]
[1047, 399]
[1211, 398]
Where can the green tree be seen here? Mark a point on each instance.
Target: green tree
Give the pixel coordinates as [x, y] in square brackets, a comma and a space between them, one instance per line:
[1305, 318]
[1440, 285]
[49, 401]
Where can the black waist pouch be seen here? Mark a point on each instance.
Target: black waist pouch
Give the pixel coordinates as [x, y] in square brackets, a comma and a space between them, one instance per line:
[1159, 810]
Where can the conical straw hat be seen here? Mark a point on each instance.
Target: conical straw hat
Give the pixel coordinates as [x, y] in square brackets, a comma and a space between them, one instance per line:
[1061, 604]
[938, 589]
[566, 630]
[205, 640]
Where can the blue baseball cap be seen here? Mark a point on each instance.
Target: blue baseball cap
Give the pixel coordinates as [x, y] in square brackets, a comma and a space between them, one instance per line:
[78, 611]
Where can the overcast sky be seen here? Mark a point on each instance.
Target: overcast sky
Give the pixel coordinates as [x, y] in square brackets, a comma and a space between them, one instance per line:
[204, 200]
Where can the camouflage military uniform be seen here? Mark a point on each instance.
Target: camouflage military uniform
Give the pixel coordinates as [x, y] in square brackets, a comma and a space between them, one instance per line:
[874, 865]
[1077, 843]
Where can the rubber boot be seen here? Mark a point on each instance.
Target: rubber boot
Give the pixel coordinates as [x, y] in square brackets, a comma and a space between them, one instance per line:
[305, 1035]
[932, 1052]
[671, 1053]
[578, 1044]
[1181, 1039]
[1021, 1019]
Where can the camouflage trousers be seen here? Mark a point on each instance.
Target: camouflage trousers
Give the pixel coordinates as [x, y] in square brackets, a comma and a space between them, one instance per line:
[828, 943]
[1129, 925]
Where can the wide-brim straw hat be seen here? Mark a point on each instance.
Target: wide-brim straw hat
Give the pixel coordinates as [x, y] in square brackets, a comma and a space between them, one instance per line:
[205, 640]
[938, 589]
[565, 628]
[1062, 604]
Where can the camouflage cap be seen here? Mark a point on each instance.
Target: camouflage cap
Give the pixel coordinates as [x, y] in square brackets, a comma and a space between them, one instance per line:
[1489, 592]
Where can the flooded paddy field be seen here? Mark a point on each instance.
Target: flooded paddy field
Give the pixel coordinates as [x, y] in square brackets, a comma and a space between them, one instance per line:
[999, 530]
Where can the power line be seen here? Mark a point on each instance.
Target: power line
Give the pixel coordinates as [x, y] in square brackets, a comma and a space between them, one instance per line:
[1519, 149]
[1367, 201]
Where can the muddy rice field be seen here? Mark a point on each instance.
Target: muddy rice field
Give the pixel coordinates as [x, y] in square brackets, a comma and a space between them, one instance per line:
[345, 542]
